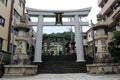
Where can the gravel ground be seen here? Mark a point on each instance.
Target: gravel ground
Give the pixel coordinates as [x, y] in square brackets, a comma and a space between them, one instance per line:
[75, 76]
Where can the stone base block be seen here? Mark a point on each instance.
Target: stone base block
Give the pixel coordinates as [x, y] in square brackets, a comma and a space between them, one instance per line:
[20, 70]
[102, 57]
[103, 68]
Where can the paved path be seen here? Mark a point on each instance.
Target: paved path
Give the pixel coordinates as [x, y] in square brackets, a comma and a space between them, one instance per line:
[76, 76]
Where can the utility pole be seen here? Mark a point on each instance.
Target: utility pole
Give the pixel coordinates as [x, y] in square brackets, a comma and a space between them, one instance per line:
[12, 48]
[71, 34]
[93, 39]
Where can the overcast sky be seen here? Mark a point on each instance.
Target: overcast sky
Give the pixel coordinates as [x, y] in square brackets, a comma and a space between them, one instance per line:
[64, 5]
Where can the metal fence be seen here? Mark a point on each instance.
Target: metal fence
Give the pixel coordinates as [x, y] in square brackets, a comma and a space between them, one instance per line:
[5, 57]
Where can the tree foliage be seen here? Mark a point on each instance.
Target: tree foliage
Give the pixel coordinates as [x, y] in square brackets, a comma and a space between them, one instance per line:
[114, 46]
[66, 35]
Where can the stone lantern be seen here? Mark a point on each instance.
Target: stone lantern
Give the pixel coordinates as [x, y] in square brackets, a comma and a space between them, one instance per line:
[20, 55]
[21, 65]
[102, 55]
[102, 61]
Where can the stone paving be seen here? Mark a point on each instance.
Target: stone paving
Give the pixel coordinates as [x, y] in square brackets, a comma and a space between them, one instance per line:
[75, 76]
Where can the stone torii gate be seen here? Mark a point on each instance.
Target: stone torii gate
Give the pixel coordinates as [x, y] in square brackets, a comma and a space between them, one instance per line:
[75, 14]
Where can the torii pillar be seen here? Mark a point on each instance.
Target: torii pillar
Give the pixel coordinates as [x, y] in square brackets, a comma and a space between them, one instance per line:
[79, 40]
[38, 47]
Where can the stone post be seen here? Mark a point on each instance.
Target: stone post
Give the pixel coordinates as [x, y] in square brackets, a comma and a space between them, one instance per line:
[38, 47]
[79, 40]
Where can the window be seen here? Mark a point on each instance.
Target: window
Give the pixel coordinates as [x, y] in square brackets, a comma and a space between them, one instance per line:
[106, 1]
[2, 21]
[116, 5]
[109, 14]
[16, 14]
[85, 37]
[4, 2]
[27, 46]
[89, 35]
[1, 41]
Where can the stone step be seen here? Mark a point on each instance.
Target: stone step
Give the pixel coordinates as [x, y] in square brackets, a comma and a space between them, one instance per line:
[60, 58]
[61, 64]
[62, 67]
[63, 70]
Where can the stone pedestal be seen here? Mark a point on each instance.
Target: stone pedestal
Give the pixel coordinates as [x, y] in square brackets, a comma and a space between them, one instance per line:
[103, 68]
[20, 60]
[20, 70]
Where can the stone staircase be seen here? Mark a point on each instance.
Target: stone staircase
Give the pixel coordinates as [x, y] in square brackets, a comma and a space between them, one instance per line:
[61, 64]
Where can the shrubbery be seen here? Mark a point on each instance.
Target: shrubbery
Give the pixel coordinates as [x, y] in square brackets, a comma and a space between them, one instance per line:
[114, 46]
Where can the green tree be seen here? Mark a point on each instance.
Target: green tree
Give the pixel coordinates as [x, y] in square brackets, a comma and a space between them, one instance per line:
[114, 46]
[66, 35]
